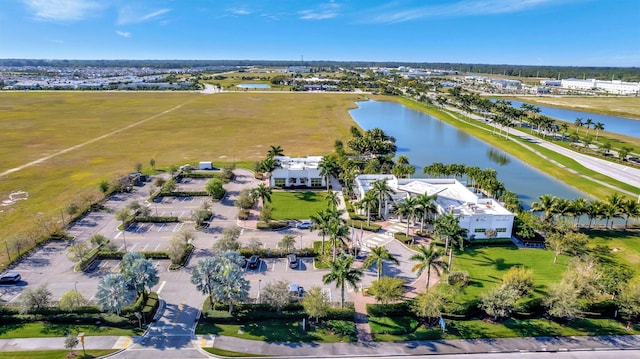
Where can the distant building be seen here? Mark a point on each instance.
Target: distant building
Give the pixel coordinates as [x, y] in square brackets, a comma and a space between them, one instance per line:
[615, 87]
[481, 217]
[297, 172]
[298, 69]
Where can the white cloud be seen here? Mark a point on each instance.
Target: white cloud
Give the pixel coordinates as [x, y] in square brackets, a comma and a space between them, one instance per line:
[125, 34]
[322, 12]
[240, 11]
[62, 10]
[459, 9]
[131, 15]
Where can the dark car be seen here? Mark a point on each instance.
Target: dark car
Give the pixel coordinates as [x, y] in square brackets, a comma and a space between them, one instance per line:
[293, 261]
[10, 278]
[254, 262]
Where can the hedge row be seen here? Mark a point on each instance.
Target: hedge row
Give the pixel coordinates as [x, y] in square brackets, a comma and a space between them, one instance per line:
[185, 194]
[372, 227]
[200, 175]
[272, 225]
[87, 260]
[277, 253]
[157, 219]
[183, 260]
[259, 312]
[402, 237]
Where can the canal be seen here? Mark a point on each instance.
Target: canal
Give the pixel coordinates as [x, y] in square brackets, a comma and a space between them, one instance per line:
[425, 139]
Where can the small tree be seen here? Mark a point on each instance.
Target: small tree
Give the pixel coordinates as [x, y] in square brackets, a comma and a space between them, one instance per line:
[152, 163]
[499, 302]
[103, 186]
[458, 279]
[100, 240]
[114, 293]
[245, 200]
[71, 341]
[77, 251]
[287, 242]
[138, 167]
[518, 279]
[265, 214]
[229, 240]
[215, 189]
[429, 306]
[629, 300]
[202, 214]
[276, 294]
[176, 250]
[35, 299]
[562, 300]
[254, 244]
[185, 235]
[315, 303]
[71, 301]
[387, 289]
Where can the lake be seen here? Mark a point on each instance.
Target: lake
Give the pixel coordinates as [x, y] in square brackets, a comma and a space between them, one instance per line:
[425, 139]
[621, 125]
[254, 86]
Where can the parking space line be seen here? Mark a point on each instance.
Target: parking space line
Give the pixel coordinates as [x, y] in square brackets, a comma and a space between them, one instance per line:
[134, 246]
[161, 287]
[118, 235]
[120, 249]
[182, 214]
[156, 249]
[16, 297]
[160, 226]
[145, 247]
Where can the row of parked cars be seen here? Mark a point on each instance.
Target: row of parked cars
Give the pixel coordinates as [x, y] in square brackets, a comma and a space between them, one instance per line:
[254, 261]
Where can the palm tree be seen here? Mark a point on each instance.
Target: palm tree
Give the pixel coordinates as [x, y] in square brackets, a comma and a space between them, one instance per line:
[428, 258]
[407, 209]
[448, 227]
[614, 207]
[578, 122]
[378, 255]
[578, 208]
[337, 231]
[382, 191]
[321, 222]
[328, 166]
[598, 126]
[426, 207]
[113, 293]
[588, 123]
[511, 201]
[341, 273]
[547, 204]
[275, 151]
[595, 209]
[123, 216]
[630, 208]
[263, 192]
[368, 202]
[332, 199]
[565, 127]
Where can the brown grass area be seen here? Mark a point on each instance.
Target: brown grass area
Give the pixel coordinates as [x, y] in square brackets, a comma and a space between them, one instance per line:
[220, 127]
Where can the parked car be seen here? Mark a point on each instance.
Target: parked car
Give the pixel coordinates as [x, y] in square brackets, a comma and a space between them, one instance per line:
[304, 224]
[296, 291]
[293, 261]
[10, 278]
[254, 262]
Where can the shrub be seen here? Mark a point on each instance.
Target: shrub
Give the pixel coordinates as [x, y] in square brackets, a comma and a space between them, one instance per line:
[243, 214]
[403, 238]
[87, 260]
[156, 219]
[458, 279]
[272, 225]
[367, 227]
[343, 327]
[389, 310]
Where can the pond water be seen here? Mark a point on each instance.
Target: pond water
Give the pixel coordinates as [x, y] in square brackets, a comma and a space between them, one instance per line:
[425, 139]
[621, 125]
[254, 86]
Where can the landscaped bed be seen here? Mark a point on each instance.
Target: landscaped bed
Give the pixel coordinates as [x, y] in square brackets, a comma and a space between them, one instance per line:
[297, 205]
[276, 330]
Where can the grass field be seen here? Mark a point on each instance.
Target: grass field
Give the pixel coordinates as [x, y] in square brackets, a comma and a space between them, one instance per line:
[272, 331]
[297, 205]
[487, 265]
[171, 128]
[43, 330]
[55, 354]
[511, 328]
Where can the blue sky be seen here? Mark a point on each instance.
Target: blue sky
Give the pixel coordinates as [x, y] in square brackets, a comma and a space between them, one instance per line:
[525, 32]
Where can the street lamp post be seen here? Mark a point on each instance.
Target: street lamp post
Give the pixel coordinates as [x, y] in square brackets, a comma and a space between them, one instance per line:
[259, 288]
[300, 235]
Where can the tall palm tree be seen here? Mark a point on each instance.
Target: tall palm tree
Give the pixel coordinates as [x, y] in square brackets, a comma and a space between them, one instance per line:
[565, 127]
[578, 208]
[588, 124]
[378, 255]
[275, 151]
[427, 209]
[613, 208]
[595, 209]
[428, 258]
[368, 202]
[547, 205]
[630, 208]
[382, 191]
[263, 192]
[407, 209]
[321, 222]
[328, 166]
[578, 123]
[511, 201]
[448, 227]
[332, 199]
[338, 231]
[341, 272]
[598, 127]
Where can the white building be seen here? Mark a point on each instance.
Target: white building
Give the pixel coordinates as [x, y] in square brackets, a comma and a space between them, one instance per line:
[479, 216]
[297, 172]
[615, 87]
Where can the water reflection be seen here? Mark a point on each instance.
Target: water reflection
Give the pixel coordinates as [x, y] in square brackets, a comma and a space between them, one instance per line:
[499, 157]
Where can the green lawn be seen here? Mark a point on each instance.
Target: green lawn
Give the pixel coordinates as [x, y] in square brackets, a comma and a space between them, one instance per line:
[297, 205]
[511, 328]
[231, 354]
[624, 246]
[487, 265]
[272, 331]
[41, 330]
[54, 354]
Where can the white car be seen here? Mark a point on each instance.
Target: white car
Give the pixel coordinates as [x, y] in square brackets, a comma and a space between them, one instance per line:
[304, 224]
